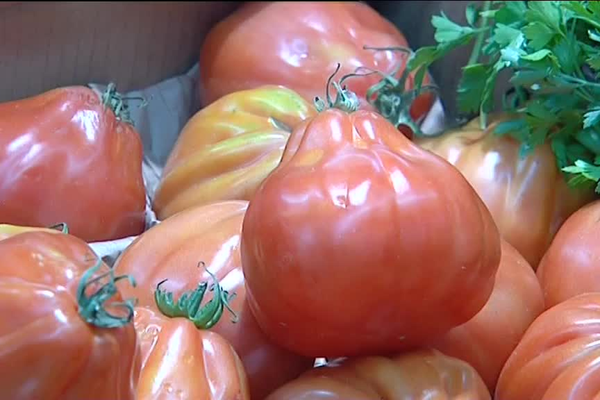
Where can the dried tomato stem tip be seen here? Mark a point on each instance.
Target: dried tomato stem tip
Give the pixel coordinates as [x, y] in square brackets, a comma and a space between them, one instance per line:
[345, 99]
[188, 305]
[62, 227]
[93, 308]
[118, 103]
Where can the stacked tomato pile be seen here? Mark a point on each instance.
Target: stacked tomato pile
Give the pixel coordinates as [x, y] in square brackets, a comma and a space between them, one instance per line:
[305, 216]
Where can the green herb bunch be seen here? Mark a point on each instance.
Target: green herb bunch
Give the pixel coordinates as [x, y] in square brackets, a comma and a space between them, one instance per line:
[551, 50]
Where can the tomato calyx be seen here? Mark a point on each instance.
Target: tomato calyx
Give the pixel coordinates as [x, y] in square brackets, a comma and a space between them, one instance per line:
[390, 97]
[188, 305]
[345, 99]
[118, 103]
[93, 308]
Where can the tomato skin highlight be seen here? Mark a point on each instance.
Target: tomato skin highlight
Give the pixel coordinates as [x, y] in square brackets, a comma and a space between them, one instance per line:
[227, 149]
[298, 45]
[412, 375]
[571, 265]
[355, 207]
[527, 196]
[65, 158]
[557, 358]
[211, 234]
[47, 349]
[487, 340]
[180, 361]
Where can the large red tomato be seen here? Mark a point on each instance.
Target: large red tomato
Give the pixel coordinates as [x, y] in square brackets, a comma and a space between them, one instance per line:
[487, 340]
[226, 149]
[420, 374]
[527, 196]
[361, 242]
[68, 155]
[571, 266]
[62, 336]
[210, 234]
[298, 45]
[557, 358]
[180, 361]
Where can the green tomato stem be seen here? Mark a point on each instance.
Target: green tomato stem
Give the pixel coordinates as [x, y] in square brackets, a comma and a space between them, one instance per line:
[93, 308]
[189, 304]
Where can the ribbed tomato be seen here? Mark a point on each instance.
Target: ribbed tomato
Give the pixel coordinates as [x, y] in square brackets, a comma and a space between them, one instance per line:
[181, 361]
[487, 340]
[7, 230]
[63, 334]
[527, 196]
[226, 150]
[419, 374]
[298, 45]
[571, 266]
[360, 242]
[173, 250]
[69, 155]
[557, 358]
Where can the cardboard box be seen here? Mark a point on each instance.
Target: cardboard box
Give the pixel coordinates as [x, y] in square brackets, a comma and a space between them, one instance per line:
[151, 49]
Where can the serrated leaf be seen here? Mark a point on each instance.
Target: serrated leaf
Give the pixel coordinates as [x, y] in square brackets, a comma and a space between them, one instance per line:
[594, 7]
[510, 126]
[583, 169]
[447, 30]
[559, 148]
[580, 11]
[557, 102]
[545, 12]
[590, 139]
[594, 62]
[543, 115]
[576, 151]
[528, 77]
[471, 86]
[538, 136]
[537, 56]
[567, 52]
[471, 13]
[511, 13]
[538, 34]
[423, 56]
[504, 34]
[591, 117]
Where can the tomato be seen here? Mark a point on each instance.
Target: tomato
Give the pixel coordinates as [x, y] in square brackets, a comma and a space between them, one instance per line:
[298, 45]
[226, 150]
[50, 349]
[361, 242]
[487, 340]
[557, 358]
[65, 156]
[7, 231]
[211, 234]
[420, 374]
[570, 266]
[184, 362]
[527, 196]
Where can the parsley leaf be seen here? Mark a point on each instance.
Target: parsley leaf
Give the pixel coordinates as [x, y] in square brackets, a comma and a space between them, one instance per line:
[584, 171]
[538, 35]
[591, 117]
[471, 87]
[448, 31]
